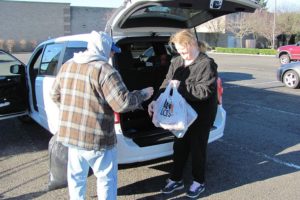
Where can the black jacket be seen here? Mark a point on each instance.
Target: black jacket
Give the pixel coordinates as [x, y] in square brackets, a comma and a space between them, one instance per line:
[198, 85]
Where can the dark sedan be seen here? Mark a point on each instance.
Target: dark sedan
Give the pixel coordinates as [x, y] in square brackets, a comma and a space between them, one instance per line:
[289, 74]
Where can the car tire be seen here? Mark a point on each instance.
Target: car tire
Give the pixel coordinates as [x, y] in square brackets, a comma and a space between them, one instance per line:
[291, 79]
[284, 59]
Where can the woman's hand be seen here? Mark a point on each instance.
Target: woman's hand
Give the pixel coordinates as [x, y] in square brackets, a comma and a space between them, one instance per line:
[175, 83]
[151, 108]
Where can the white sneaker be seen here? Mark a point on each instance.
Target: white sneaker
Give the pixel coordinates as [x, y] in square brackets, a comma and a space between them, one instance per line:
[195, 190]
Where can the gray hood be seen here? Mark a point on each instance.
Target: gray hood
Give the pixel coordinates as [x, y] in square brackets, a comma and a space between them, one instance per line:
[98, 48]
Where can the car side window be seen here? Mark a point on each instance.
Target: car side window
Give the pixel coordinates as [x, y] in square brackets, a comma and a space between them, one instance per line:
[69, 53]
[50, 59]
[37, 62]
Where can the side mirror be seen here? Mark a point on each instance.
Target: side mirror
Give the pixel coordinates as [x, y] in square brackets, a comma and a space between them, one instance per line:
[17, 69]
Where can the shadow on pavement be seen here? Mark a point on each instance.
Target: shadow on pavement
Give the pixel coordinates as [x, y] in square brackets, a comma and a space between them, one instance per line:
[26, 196]
[261, 142]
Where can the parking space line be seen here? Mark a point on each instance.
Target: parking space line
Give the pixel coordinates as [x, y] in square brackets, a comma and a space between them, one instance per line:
[271, 109]
[270, 158]
[248, 84]
[288, 164]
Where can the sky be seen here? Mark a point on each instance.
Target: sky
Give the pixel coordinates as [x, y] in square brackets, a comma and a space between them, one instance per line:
[284, 5]
[86, 3]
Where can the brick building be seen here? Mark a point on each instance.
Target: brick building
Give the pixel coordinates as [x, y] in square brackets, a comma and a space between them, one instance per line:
[25, 24]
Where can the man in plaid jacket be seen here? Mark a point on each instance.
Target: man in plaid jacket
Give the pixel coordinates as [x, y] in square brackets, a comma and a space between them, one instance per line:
[88, 91]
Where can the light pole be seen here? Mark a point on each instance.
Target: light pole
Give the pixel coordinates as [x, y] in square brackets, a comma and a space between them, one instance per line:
[274, 24]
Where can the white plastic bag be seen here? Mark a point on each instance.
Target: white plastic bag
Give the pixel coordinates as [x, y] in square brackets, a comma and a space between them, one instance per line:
[169, 110]
[172, 112]
[191, 117]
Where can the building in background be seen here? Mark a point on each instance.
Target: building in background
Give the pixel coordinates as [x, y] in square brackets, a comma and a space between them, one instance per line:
[218, 33]
[26, 24]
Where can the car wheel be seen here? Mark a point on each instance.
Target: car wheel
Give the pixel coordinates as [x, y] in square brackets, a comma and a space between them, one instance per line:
[291, 79]
[284, 59]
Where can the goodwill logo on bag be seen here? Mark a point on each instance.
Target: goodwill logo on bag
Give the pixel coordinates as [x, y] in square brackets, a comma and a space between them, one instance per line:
[167, 109]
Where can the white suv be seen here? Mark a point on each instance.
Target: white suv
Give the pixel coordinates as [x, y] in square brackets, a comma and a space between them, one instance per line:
[137, 26]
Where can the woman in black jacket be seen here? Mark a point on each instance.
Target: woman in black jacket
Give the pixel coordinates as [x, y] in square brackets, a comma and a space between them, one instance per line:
[196, 76]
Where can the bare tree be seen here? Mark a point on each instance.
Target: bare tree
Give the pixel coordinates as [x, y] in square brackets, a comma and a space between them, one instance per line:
[215, 27]
[288, 23]
[260, 24]
[239, 26]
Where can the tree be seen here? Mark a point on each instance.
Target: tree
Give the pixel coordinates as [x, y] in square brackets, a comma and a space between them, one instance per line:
[262, 27]
[215, 27]
[239, 26]
[263, 4]
[288, 22]
[297, 37]
[283, 23]
[260, 23]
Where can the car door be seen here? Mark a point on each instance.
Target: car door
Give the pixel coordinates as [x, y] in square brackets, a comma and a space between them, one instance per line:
[167, 16]
[13, 89]
[48, 68]
[296, 51]
[53, 57]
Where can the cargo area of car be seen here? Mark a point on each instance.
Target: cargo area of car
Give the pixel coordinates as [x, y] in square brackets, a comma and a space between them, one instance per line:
[140, 65]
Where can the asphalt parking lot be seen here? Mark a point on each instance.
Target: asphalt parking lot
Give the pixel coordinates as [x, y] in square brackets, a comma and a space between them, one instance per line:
[258, 157]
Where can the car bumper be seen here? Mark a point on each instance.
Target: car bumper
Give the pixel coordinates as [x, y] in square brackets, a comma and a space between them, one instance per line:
[130, 152]
[279, 74]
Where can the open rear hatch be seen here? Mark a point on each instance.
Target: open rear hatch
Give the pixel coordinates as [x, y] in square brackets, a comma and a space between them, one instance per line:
[137, 16]
[140, 66]
[139, 22]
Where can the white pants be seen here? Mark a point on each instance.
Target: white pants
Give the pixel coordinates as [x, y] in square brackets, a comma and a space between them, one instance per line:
[105, 167]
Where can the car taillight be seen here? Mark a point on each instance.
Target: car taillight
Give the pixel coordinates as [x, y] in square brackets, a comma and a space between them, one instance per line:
[220, 90]
[117, 118]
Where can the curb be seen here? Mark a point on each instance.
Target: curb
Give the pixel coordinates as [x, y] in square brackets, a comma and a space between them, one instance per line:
[240, 54]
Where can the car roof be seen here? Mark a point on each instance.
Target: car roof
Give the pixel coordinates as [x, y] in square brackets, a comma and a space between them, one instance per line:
[78, 37]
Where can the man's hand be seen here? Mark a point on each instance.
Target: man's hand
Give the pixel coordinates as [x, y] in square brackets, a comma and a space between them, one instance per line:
[148, 92]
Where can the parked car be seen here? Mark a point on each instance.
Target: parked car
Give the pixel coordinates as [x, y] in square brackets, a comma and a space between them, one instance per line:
[136, 26]
[289, 74]
[289, 53]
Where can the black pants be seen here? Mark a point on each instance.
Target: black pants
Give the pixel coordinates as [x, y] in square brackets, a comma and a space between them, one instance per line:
[194, 142]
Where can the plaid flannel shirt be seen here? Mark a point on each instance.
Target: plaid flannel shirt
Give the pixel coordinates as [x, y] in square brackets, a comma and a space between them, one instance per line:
[87, 96]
